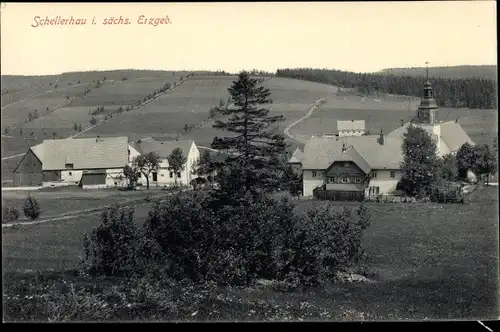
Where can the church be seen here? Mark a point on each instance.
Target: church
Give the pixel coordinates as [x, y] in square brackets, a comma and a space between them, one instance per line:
[361, 166]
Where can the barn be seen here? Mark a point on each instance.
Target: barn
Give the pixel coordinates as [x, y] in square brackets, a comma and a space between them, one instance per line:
[28, 172]
[75, 161]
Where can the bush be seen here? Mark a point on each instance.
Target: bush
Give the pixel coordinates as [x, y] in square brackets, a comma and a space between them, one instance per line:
[446, 192]
[31, 208]
[9, 214]
[117, 247]
[257, 238]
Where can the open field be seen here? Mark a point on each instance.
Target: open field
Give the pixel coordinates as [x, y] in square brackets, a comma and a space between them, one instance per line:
[124, 93]
[430, 260]
[166, 117]
[291, 98]
[481, 125]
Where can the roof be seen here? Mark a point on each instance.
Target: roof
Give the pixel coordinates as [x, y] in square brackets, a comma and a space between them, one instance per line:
[321, 152]
[454, 135]
[163, 148]
[350, 125]
[38, 151]
[296, 157]
[83, 153]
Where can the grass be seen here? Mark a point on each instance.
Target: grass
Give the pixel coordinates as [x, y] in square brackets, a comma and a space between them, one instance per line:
[188, 103]
[481, 125]
[431, 261]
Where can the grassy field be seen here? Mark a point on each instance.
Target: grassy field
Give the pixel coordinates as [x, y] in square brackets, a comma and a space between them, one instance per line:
[481, 125]
[291, 98]
[166, 117]
[430, 261]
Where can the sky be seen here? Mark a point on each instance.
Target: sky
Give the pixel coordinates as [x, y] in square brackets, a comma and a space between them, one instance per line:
[352, 36]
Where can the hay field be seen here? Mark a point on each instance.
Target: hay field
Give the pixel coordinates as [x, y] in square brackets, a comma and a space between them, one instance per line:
[481, 125]
[188, 103]
[291, 98]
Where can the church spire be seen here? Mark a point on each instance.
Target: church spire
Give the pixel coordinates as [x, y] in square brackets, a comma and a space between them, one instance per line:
[426, 112]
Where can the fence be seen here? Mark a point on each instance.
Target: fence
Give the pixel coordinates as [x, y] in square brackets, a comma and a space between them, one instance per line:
[334, 195]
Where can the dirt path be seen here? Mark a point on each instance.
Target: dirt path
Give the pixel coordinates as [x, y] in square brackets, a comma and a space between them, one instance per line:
[86, 212]
[315, 107]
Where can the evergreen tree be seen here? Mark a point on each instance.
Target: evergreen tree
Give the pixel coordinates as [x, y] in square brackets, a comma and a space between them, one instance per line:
[253, 143]
[420, 165]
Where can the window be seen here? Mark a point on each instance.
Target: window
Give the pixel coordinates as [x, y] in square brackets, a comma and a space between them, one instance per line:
[392, 174]
[171, 175]
[345, 180]
[357, 180]
[179, 175]
[155, 176]
[70, 173]
[314, 174]
[331, 180]
[69, 166]
[162, 175]
[374, 174]
[116, 183]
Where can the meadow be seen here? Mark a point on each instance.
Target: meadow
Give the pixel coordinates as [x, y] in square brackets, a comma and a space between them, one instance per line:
[386, 115]
[428, 260]
[166, 116]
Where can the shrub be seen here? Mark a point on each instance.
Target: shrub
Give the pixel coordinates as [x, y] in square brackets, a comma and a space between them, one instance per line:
[9, 214]
[31, 208]
[203, 240]
[116, 247]
[446, 192]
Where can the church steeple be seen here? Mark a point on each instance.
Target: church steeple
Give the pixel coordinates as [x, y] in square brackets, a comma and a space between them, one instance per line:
[427, 110]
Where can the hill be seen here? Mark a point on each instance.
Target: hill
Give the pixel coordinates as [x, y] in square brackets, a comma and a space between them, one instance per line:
[488, 72]
[476, 93]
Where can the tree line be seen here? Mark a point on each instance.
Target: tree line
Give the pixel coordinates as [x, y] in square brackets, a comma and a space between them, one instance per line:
[471, 93]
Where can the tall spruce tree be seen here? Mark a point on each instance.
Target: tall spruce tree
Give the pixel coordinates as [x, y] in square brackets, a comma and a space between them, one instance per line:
[254, 143]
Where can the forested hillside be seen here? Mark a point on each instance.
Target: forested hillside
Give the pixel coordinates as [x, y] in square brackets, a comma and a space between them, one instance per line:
[453, 72]
[470, 93]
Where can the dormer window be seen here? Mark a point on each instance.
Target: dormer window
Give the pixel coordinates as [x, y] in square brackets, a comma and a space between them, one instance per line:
[69, 166]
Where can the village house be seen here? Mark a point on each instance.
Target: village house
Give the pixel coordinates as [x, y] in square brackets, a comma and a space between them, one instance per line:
[98, 162]
[88, 162]
[359, 166]
[163, 176]
[351, 128]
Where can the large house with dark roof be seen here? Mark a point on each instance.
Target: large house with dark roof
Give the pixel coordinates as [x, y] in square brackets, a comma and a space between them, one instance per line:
[369, 165]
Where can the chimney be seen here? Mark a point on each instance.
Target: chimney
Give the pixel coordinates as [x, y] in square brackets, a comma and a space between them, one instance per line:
[343, 147]
[381, 138]
[456, 120]
[402, 122]
[97, 139]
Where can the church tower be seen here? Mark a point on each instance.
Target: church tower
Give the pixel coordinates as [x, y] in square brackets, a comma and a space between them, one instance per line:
[427, 111]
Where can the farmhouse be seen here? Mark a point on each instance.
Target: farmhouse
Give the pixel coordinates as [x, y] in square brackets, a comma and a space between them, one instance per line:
[352, 167]
[351, 128]
[89, 162]
[163, 176]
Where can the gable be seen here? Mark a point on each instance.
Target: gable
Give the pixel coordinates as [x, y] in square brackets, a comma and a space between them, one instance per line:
[343, 168]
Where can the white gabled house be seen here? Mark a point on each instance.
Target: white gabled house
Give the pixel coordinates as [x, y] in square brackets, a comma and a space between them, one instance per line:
[359, 166]
[163, 176]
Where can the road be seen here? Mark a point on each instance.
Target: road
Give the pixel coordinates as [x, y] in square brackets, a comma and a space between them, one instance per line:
[89, 211]
[315, 107]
